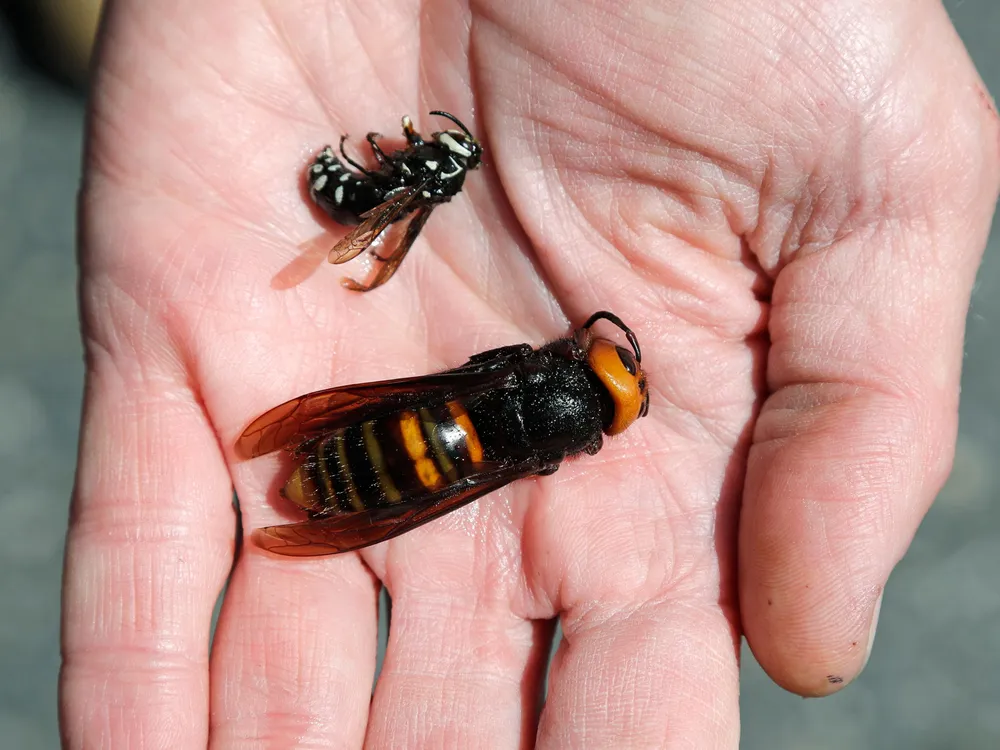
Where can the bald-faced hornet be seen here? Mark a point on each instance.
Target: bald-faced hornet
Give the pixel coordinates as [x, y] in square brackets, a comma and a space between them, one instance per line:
[407, 183]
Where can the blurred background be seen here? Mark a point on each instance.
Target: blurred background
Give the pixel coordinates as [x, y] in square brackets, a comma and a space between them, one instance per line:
[933, 681]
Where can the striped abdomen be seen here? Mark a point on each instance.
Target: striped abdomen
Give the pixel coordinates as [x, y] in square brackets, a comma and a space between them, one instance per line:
[387, 460]
[341, 193]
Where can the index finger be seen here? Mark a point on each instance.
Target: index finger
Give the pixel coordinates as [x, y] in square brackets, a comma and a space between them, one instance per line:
[150, 543]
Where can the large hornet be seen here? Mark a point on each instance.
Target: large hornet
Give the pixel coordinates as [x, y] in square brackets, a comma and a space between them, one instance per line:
[376, 460]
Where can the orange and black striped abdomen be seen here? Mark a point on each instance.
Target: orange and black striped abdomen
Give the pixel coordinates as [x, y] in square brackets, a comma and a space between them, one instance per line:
[387, 460]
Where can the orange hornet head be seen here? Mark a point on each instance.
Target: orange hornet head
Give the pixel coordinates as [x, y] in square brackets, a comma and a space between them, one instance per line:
[619, 371]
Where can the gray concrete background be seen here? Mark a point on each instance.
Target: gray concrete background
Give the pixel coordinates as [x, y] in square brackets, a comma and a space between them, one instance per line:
[933, 681]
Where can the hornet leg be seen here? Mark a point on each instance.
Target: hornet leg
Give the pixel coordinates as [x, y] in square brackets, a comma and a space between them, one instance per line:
[376, 149]
[351, 161]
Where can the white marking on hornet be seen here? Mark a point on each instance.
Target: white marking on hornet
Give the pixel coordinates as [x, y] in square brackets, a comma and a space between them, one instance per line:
[449, 175]
[338, 194]
[319, 183]
[345, 177]
[431, 165]
[452, 145]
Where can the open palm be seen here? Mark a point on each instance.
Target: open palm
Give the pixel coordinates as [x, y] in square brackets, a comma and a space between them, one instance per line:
[787, 203]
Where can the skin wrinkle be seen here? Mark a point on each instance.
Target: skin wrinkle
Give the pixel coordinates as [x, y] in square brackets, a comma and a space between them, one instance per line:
[813, 215]
[389, 79]
[503, 650]
[486, 218]
[172, 393]
[182, 193]
[599, 714]
[292, 681]
[310, 83]
[91, 485]
[884, 372]
[693, 300]
[454, 265]
[641, 262]
[597, 98]
[201, 172]
[100, 161]
[170, 659]
[775, 438]
[111, 335]
[875, 105]
[868, 368]
[456, 53]
[582, 212]
[255, 96]
[617, 584]
[219, 189]
[97, 170]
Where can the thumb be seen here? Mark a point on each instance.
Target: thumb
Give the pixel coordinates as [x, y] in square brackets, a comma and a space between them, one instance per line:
[858, 435]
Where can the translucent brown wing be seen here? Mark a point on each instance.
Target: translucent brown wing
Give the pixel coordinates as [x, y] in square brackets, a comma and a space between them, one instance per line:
[352, 531]
[293, 422]
[390, 264]
[375, 222]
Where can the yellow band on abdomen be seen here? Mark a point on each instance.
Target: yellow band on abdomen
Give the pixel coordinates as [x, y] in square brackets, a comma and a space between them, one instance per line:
[413, 439]
[472, 443]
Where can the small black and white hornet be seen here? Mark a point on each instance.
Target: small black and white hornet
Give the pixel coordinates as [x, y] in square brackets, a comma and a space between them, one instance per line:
[407, 183]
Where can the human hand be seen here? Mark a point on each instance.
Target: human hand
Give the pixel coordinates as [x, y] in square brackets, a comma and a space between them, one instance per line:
[787, 203]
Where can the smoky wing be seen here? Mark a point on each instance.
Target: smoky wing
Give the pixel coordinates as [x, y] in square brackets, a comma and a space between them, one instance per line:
[393, 262]
[375, 221]
[309, 416]
[352, 531]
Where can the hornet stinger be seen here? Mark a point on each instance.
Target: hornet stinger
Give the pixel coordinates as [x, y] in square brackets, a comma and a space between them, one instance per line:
[379, 459]
[407, 184]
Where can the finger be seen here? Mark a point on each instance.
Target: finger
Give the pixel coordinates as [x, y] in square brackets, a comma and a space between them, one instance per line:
[660, 675]
[848, 454]
[461, 669]
[294, 653]
[150, 542]
[858, 436]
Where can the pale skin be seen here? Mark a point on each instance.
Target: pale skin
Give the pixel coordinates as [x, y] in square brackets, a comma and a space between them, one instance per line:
[786, 201]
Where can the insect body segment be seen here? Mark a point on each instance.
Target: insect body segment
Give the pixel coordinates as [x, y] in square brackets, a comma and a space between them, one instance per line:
[378, 459]
[380, 462]
[411, 181]
[342, 194]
